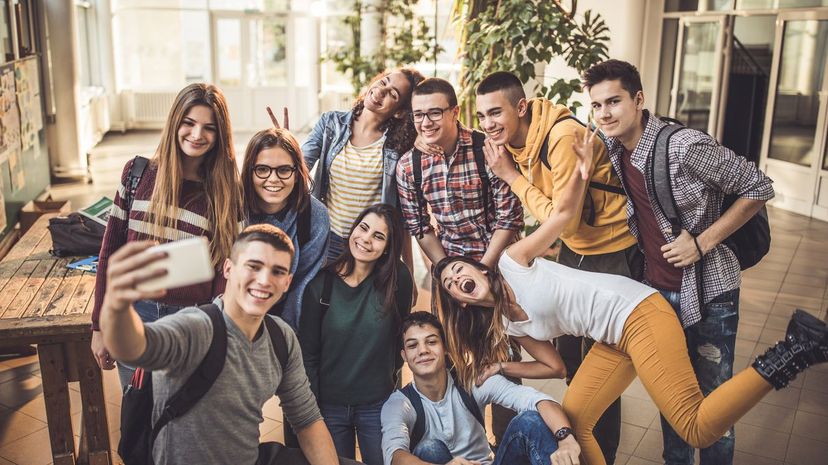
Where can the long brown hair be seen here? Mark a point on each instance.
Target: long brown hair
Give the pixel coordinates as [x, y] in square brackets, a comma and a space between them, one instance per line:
[299, 198]
[475, 335]
[218, 172]
[401, 131]
[385, 268]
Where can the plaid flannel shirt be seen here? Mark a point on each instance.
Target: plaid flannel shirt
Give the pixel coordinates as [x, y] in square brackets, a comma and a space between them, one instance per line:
[702, 172]
[452, 188]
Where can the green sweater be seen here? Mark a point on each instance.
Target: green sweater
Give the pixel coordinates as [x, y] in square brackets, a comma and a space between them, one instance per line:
[352, 354]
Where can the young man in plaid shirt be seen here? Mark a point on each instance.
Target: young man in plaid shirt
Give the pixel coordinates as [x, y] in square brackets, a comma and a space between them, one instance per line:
[702, 173]
[476, 214]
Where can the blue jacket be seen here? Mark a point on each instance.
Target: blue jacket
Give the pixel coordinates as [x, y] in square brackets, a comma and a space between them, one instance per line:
[308, 260]
[326, 141]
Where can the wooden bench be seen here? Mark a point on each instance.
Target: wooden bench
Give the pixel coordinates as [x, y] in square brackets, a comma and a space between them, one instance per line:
[42, 302]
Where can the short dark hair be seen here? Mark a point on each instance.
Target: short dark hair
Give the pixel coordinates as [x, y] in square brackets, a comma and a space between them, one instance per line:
[422, 319]
[437, 86]
[503, 81]
[612, 70]
[299, 198]
[267, 233]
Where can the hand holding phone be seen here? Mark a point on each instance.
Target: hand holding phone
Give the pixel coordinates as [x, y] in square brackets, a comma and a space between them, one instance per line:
[187, 262]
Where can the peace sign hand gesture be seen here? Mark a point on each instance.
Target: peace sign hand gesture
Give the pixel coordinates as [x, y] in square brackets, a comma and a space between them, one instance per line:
[584, 150]
[276, 121]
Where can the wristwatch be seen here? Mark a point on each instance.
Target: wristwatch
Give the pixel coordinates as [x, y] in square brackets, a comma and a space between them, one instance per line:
[564, 433]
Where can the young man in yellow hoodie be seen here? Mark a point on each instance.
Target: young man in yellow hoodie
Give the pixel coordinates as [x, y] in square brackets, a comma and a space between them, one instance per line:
[537, 136]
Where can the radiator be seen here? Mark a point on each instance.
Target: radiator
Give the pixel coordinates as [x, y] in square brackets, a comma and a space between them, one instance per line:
[147, 110]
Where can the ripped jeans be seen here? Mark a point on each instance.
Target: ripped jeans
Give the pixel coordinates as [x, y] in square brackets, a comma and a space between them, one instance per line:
[711, 344]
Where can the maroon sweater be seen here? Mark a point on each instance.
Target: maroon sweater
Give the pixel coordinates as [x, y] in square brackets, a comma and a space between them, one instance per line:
[192, 221]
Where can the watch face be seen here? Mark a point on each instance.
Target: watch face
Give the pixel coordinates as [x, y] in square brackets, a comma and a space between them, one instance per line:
[563, 433]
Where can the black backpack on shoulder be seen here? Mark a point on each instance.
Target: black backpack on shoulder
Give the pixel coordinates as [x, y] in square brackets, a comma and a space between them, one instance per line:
[590, 204]
[413, 396]
[478, 139]
[138, 433]
[749, 243]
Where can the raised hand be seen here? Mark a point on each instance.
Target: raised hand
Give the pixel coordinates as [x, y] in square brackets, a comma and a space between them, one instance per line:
[583, 148]
[500, 161]
[276, 121]
[431, 149]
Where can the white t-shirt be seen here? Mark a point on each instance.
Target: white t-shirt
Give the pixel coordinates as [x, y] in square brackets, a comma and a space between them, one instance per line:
[560, 300]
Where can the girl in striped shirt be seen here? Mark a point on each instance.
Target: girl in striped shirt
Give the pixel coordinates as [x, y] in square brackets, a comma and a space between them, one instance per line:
[189, 188]
[358, 151]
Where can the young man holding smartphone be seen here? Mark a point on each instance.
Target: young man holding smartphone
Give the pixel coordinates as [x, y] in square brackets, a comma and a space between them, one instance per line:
[223, 427]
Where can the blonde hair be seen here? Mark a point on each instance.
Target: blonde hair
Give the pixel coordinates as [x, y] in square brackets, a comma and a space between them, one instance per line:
[475, 335]
[218, 172]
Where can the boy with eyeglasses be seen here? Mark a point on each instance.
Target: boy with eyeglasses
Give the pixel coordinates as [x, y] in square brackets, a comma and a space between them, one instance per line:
[476, 213]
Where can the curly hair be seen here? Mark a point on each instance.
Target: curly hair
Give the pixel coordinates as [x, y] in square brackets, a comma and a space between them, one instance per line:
[401, 131]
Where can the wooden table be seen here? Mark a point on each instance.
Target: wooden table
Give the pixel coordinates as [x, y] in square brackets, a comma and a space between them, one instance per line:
[42, 302]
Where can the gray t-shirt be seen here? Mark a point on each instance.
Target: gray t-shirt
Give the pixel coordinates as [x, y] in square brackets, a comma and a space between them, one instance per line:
[223, 427]
[448, 420]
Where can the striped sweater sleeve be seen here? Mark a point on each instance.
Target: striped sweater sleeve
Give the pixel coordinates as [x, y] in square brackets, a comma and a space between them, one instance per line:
[114, 237]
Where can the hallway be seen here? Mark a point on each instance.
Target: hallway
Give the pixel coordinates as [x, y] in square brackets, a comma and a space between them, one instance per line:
[788, 427]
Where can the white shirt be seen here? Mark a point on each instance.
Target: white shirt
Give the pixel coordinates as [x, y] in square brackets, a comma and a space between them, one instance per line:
[560, 300]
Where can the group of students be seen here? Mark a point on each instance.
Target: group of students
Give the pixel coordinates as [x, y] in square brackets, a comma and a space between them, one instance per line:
[626, 298]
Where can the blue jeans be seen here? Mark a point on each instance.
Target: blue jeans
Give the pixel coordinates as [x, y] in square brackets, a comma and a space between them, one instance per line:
[711, 344]
[363, 421]
[149, 311]
[527, 441]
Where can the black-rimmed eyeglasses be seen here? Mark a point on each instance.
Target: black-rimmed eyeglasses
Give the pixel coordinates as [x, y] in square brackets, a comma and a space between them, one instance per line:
[282, 172]
[434, 115]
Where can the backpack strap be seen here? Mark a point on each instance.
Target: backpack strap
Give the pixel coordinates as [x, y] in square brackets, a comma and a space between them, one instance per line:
[303, 225]
[325, 298]
[277, 340]
[417, 172]
[544, 157]
[660, 176]
[416, 434]
[468, 400]
[136, 171]
[478, 139]
[202, 379]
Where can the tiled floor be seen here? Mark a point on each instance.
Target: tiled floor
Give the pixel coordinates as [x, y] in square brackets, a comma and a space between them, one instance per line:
[787, 427]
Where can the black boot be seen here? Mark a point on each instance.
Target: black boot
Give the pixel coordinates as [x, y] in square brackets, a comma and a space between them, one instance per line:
[805, 344]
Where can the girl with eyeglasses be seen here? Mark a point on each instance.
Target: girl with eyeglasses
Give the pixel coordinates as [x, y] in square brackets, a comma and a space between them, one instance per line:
[275, 185]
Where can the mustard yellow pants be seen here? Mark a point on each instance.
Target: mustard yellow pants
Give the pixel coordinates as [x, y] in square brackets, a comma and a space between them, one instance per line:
[652, 347]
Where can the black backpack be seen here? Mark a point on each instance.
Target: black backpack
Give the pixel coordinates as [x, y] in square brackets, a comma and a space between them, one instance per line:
[138, 433]
[478, 139]
[749, 243]
[590, 204]
[76, 234]
[413, 396]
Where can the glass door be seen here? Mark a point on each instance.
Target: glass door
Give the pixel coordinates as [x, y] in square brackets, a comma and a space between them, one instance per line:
[251, 65]
[697, 78]
[795, 126]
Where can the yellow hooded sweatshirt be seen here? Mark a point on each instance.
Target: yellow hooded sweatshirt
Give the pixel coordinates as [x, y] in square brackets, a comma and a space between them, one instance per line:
[540, 188]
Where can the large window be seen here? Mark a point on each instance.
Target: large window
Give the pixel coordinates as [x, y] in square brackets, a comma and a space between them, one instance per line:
[796, 110]
[161, 48]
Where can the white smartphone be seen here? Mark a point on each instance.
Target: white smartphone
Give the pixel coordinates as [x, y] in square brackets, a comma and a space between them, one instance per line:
[187, 263]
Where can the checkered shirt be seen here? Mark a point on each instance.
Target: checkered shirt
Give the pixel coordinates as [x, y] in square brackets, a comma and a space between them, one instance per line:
[702, 172]
[452, 189]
